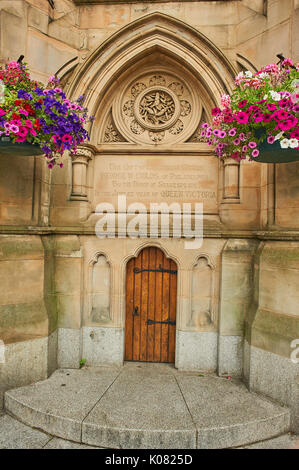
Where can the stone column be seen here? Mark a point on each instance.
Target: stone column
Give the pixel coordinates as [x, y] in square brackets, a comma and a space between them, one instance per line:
[79, 173]
[231, 188]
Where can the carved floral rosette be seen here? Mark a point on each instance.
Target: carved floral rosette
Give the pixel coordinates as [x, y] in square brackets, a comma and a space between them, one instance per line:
[156, 107]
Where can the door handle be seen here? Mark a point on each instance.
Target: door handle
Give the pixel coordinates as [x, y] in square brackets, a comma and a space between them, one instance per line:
[135, 312]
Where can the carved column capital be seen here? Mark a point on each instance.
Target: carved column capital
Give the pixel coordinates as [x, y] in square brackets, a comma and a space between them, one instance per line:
[79, 172]
[83, 155]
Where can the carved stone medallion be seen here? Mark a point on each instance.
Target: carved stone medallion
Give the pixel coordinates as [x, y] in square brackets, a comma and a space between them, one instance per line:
[157, 108]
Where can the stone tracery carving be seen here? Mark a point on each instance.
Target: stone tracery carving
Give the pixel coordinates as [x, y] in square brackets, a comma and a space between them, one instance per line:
[137, 88]
[155, 108]
[177, 128]
[111, 133]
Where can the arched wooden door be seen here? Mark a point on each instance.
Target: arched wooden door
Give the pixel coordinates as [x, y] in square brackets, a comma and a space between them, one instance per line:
[151, 292]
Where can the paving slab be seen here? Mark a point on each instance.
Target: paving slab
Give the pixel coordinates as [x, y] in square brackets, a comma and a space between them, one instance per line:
[16, 435]
[59, 405]
[144, 408]
[226, 414]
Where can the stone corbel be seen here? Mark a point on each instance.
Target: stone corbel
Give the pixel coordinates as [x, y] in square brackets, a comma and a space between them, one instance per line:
[231, 181]
[79, 173]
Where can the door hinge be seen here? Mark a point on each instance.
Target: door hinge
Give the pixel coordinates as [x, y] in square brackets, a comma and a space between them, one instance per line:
[166, 322]
[160, 270]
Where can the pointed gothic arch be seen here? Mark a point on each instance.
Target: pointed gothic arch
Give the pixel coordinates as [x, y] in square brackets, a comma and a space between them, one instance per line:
[152, 33]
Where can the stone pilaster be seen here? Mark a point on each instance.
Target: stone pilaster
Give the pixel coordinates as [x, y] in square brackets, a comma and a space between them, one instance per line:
[79, 173]
[231, 189]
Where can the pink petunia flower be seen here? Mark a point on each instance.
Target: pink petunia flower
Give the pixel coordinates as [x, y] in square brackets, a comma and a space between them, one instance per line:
[271, 139]
[271, 107]
[252, 145]
[255, 153]
[23, 131]
[242, 117]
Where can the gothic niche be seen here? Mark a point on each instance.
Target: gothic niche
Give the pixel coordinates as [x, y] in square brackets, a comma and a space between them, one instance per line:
[202, 294]
[155, 108]
[100, 290]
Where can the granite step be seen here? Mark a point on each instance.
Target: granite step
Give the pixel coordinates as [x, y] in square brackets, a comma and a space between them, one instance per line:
[140, 406]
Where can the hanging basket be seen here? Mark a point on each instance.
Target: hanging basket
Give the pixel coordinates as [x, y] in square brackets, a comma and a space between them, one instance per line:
[273, 153]
[7, 147]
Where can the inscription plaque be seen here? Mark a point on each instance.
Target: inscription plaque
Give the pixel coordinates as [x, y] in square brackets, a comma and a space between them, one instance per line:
[157, 179]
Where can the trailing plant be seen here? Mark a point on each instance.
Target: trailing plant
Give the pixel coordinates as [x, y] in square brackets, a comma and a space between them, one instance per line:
[32, 113]
[263, 106]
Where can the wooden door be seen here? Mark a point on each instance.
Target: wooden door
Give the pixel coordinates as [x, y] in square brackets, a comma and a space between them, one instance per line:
[151, 291]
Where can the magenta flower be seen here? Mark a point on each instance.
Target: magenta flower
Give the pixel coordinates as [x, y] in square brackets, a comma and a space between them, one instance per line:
[237, 141]
[222, 134]
[242, 103]
[66, 138]
[281, 115]
[14, 128]
[283, 103]
[255, 153]
[271, 107]
[20, 139]
[232, 132]
[23, 131]
[285, 125]
[252, 145]
[271, 139]
[267, 117]
[29, 124]
[2, 113]
[242, 117]
[216, 111]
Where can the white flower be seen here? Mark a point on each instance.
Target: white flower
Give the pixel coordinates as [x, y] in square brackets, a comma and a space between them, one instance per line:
[248, 74]
[265, 97]
[263, 75]
[284, 143]
[275, 96]
[278, 136]
[294, 143]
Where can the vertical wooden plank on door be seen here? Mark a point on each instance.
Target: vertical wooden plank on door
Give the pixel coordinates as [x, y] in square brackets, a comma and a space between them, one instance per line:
[165, 311]
[151, 304]
[144, 304]
[172, 314]
[129, 310]
[158, 307]
[137, 303]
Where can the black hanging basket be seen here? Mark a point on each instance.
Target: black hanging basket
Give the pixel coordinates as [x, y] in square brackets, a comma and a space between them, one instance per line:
[7, 147]
[273, 153]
